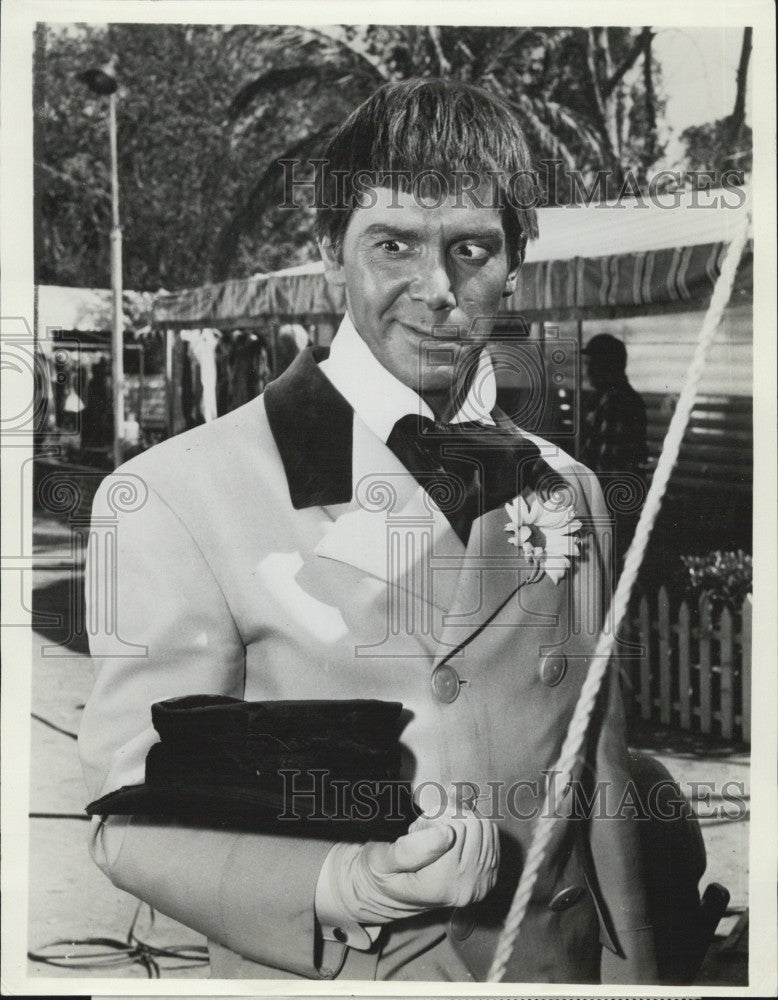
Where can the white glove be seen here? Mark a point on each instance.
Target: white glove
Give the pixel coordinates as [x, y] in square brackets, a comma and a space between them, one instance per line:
[451, 860]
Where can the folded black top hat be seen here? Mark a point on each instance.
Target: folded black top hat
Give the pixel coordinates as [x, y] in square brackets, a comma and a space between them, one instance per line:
[313, 767]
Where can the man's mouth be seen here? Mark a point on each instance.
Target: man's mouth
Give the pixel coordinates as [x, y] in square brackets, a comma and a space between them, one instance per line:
[448, 332]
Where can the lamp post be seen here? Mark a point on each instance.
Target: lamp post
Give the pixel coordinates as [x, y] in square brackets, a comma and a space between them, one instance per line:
[103, 82]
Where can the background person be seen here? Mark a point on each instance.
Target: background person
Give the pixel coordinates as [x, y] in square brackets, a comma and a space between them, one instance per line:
[613, 442]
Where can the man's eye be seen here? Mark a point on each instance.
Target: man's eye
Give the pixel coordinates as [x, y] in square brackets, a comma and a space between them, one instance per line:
[393, 247]
[472, 252]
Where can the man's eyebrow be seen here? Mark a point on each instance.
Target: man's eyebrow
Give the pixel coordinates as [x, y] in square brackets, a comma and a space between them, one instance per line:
[491, 233]
[394, 232]
[397, 232]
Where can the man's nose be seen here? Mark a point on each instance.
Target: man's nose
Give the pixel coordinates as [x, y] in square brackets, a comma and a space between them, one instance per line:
[432, 284]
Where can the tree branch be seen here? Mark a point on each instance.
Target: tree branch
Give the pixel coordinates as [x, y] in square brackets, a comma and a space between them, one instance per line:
[648, 83]
[443, 63]
[605, 103]
[736, 120]
[627, 63]
[591, 48]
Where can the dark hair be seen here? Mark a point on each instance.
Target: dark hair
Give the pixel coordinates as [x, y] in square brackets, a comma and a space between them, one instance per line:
[423, 127]
[608, 349]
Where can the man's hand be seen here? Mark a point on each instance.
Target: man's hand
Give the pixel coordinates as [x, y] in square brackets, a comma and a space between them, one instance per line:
[448, 861]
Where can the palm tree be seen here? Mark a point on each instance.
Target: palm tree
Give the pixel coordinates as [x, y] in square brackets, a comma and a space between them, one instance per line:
[561, 83]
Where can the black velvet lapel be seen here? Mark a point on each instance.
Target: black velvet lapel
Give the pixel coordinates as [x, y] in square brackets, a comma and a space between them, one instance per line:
[313, 429]
[312, 425]
[536, 474]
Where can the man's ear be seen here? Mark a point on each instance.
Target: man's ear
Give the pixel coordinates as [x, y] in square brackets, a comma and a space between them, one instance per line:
[511, 281]
[333, 262]
[513, 275]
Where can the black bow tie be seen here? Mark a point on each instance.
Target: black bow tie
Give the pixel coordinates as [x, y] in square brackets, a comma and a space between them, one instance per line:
[467, 468]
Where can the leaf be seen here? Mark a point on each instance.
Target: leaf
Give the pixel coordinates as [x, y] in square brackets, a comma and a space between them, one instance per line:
[262, 197]
[276, 79]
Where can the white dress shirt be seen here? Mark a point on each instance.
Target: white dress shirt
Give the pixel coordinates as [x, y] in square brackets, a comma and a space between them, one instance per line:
[380, 399]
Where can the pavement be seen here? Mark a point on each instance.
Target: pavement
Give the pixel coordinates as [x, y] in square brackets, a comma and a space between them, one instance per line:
[72, 902]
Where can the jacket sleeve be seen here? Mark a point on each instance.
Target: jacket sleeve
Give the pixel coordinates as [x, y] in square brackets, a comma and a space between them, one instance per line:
[626, 932]
[160, 627]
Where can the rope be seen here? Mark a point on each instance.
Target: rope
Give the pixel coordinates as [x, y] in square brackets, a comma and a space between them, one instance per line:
[580, 721]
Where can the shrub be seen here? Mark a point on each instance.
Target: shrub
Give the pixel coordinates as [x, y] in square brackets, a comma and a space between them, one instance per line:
[725, 576]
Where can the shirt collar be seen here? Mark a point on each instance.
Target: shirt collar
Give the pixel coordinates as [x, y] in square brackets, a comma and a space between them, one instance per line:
[380, 399]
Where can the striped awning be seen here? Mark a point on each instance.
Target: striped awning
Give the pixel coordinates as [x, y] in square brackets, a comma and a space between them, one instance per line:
[298, 293]
[625, 284]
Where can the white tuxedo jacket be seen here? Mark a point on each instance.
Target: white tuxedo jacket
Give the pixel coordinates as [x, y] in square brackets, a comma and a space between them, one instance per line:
[283, 552]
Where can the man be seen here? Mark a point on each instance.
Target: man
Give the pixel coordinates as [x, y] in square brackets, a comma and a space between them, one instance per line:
[614, 436]
[346, 535]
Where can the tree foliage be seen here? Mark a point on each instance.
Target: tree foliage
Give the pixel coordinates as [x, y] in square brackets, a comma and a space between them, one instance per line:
[205, 112]
[178, 177]
[571, 88]
[724, 144]
[707, 149]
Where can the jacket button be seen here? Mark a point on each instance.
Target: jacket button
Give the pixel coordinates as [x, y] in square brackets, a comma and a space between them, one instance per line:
[461, 924]
[566, 898]
[553, 669]
[445, 683]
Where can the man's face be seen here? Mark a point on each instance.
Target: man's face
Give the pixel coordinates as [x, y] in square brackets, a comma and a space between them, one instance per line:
[597, 372]
[408, 268]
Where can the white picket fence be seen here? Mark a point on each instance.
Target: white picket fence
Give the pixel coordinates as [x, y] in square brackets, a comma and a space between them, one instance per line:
[688, 668]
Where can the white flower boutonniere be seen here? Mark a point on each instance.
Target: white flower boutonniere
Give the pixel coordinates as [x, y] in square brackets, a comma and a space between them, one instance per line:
[544, 534]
